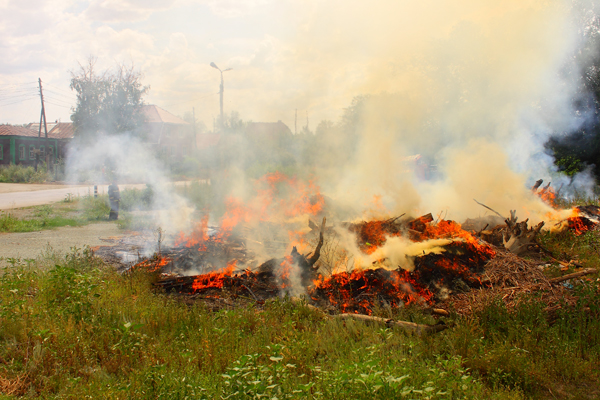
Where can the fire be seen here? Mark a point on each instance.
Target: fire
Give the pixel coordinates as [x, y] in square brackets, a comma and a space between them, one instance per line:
[548, 195]
[290, 196]
[360, 291]
[285, 270]
[453, 230]
[578, 223]
[198, 237]
[214, 279]
[154, 264]
[235, 213]
[372, 234]
[277, 195]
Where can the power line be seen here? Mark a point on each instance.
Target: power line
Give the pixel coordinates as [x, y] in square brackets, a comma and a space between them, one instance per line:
[18, 92]
[72, 96]
[54, 104]
[60, 89]
[16, 102]
[12, 87]
[58, 100]
[19, 96]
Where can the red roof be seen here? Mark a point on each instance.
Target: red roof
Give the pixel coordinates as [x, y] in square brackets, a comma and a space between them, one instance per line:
[156, 114]
[11, 130]
[62, 130]
[56, 130]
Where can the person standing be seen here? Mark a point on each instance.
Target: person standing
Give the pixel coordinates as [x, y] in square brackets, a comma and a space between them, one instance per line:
[114, 198]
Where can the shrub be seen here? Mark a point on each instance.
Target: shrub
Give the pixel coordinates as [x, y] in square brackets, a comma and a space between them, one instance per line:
[21, 174]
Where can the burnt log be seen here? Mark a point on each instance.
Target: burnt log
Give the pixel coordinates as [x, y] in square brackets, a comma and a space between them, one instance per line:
[538, 183]
[305, 262]
[518, 236]
[420, 224]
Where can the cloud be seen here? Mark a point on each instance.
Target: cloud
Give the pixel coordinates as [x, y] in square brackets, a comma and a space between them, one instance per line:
[234, 8]
[125, 11]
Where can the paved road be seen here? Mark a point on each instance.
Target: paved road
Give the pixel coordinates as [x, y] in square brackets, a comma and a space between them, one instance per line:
[16, 195]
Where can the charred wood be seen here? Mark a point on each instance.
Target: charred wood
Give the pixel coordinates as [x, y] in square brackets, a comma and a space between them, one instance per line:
[538, 183]
[420, 224]
[518, 237]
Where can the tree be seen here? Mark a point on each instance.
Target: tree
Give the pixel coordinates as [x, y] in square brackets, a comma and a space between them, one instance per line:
[107, 102]
[233, 123]
[189, 117]
[574, 151]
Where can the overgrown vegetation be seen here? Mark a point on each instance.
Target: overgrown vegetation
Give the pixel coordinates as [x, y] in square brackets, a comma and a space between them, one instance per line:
[79, 329]
[44, 217]
[20, 174]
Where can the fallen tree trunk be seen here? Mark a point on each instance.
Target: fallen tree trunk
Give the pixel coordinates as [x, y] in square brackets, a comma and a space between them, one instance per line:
[411, 327]
[574, 275]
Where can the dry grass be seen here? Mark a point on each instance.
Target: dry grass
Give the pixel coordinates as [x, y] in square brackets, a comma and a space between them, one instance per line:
[510, 278]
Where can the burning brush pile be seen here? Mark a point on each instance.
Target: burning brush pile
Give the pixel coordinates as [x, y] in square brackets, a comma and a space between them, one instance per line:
[351, 267]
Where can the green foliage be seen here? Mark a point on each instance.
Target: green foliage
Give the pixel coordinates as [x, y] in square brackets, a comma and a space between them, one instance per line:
[44, 219]
[567, 245]
[21, 174]
[575, 150]
[569, 165]
[198, 194]
[188, 167]
[95, 208]
[135, 199]
[110, 101]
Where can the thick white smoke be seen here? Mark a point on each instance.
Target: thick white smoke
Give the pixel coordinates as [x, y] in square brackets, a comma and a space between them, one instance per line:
[127, 159]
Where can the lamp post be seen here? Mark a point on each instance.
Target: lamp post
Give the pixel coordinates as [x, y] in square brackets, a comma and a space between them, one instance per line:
[221, 89]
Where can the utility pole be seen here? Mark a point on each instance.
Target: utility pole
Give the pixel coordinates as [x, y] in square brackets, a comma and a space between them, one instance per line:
[43, 117]
[221, 90]
[194, 119]
[306, 120]
[296, 122]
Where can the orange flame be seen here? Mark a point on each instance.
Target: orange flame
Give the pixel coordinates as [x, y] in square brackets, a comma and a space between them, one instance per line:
[213, 279]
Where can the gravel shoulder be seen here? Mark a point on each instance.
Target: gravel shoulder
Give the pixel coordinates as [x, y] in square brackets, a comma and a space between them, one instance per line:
[31, 245]
[32, 187]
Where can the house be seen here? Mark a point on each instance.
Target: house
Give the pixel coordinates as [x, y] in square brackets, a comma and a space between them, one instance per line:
[171, 136]
[19, 145]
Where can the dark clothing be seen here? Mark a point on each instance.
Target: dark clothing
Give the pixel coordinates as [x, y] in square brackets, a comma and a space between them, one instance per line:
[114, 198]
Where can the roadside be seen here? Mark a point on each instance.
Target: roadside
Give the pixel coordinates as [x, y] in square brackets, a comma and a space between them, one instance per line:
[17, 195]
[31, 245]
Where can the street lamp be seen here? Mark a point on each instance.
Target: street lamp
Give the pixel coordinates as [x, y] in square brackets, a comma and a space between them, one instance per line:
[212, 64]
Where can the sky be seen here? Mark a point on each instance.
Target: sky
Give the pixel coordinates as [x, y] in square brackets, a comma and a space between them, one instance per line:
[287, 56]
[171, 42]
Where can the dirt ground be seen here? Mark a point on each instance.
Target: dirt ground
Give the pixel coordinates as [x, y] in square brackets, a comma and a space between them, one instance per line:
[31, 245]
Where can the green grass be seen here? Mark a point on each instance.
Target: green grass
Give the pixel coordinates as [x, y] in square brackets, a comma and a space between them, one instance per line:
[77, 329]
[21, 174]
[44, 218]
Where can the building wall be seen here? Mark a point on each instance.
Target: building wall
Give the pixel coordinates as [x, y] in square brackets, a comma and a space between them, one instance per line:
[18, 149]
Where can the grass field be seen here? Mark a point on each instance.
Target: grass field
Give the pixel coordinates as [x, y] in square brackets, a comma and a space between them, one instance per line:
[75, 328]
[71, 327]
